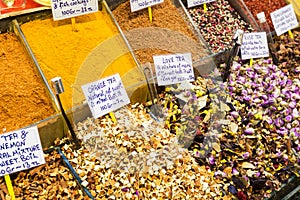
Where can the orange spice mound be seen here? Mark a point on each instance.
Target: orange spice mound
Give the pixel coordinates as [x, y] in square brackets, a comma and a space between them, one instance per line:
[24, 99]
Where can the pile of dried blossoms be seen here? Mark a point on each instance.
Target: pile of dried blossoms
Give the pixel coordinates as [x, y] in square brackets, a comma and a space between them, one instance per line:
[137, 158]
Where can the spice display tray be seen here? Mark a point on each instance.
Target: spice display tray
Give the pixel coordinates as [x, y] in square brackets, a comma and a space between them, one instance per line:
[54, 126]
[288, 190]
[74, 173]
[239, 9]
[57, 167]
[182, 12]
[19, 33]
[293, 2]
[129, 78]
[244, 13]
[51, 127]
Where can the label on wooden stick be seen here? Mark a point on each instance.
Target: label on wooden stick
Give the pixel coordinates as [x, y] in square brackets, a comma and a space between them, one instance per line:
[20, 150]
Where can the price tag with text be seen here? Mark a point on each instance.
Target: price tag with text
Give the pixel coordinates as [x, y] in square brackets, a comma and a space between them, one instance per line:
[62, 9]
[284, 19]
[255, 45]
[192, 3]
[105, 95]
[175, 68]
[20, 150]
[136, 5]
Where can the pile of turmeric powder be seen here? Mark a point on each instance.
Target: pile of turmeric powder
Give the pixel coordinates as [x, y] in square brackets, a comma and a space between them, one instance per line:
[62, 52]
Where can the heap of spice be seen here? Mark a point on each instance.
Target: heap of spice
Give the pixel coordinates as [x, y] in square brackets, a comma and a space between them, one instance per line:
[61, 51]
[137, 159]
[24, 98]
[48, 181]
[167, 33]
[266, 6]
[218, 24]
[259, 146]
[288, 53]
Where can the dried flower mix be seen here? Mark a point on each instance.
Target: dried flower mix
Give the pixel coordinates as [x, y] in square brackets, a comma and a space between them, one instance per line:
[263, 151]
[218, 24]
[255, 152]
[178, 177]
[186, 109]
[288, 53]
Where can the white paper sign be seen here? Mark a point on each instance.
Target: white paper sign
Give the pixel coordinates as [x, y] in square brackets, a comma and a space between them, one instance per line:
[255, 45]
[20, 150]
[136, 5]
[192, 3]
[284, 19]
[105, 95]
[175, 68]
[62, 9]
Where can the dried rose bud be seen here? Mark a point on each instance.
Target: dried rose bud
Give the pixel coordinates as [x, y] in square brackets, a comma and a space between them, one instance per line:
[288, 118]
[246, 155]
[249, 131]
[125, 189]
[235, 171]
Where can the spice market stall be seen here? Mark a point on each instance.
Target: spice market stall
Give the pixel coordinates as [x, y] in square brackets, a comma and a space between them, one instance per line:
[199, 138]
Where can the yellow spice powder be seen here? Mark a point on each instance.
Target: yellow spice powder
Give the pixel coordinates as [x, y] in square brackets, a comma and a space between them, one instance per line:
[296, 6]
[62, 52]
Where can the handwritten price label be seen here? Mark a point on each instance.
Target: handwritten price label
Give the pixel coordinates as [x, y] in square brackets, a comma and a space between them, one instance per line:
[192, 3]
[20, 150]
[105, 95]
[136, 5]
[284, 19]
[175, 68]
[62, 9]
[255, 45]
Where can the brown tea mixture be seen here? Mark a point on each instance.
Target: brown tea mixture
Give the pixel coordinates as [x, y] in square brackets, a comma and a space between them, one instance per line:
[23, 96]
[168, 32]
[52, 180]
